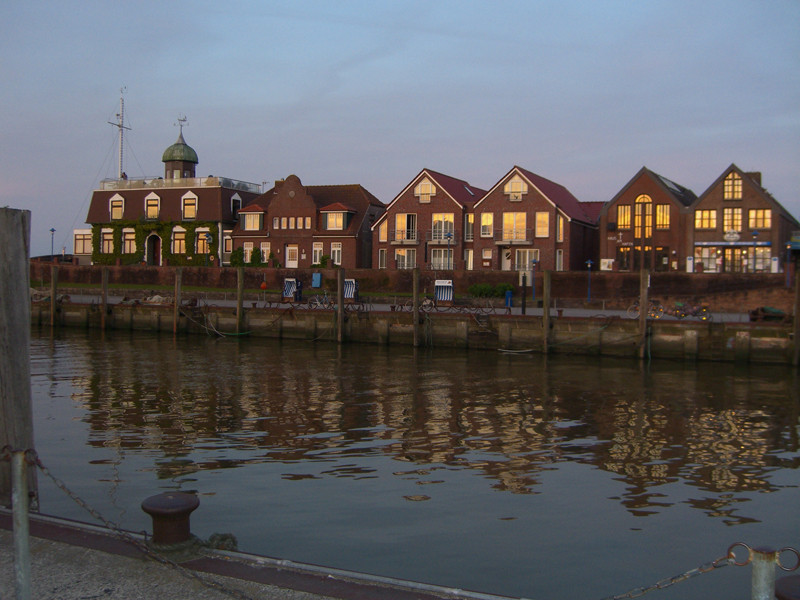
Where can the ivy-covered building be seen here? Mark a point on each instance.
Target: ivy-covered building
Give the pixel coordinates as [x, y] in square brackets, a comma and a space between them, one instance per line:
[177, 219]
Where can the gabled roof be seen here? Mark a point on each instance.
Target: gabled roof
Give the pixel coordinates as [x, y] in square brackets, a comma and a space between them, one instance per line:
[556, 193]
[681, 195]
[755, 182]
[253, 207]
[459, 191]
[336, 207]
[592, 209]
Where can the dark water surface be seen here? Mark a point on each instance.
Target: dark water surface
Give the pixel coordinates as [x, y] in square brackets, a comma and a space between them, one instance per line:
[547, 478]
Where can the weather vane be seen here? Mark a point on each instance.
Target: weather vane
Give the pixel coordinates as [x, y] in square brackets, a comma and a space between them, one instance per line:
[182, 120]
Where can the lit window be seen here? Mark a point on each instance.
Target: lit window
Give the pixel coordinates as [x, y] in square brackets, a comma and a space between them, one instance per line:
[316, 253]
[424, 190]
[514, 226]
[179, 241]
[662, 216]
[731, 219]
[542, 224]
[266, 250]
[107, 242]
[643, 217]
[405, 227]
[151, 207]
[284, 223]
[760, 219]
[487, 224]
[443, 227]
[82, 243]
[624, 216]
[336, 253]
[560, 222]
[201, 241]
[128, 241]
[732, 188]
[228, 244]
[336, 221]
[705, 219]
[252, 221]
[308, 222]
[291, 222]
[406, 258]
[248, 251]
[515, 188]
[116, 206]
[383, 231]
[469, 226]
[189, 208]
[486, 254]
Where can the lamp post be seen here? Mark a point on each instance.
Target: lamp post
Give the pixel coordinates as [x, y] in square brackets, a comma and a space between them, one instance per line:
[755, 237]
[52, 234]
[449, 236]
[786, 267]
[533, 277]
[207, 236]
[589, 264]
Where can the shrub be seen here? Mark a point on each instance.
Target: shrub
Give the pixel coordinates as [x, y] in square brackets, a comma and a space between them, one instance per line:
[480, 290]
[501, 288]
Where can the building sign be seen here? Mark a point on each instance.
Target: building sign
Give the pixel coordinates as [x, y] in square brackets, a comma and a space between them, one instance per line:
[731, 236]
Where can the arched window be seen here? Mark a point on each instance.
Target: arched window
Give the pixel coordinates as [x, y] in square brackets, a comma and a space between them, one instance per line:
[643, 217]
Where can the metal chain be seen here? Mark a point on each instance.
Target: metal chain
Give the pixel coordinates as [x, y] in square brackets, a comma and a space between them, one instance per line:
[32, 458]
[723, 561]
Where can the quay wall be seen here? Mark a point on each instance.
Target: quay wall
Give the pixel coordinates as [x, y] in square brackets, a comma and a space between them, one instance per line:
[761, 342]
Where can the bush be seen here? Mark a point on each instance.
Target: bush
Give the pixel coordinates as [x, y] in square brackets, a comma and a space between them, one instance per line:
[501, 288]
[481, 290]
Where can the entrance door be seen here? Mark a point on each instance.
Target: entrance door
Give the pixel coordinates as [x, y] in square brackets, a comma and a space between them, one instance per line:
[505, 259]
[292, 254]
[153, 251]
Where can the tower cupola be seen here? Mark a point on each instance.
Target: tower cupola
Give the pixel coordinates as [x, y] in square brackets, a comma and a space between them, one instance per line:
[180, 158]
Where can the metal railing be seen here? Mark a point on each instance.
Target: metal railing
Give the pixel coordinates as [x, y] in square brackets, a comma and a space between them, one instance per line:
[159, 182]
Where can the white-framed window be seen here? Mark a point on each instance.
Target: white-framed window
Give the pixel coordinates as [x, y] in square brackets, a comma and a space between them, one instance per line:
[443, 227]
[128, 241]
[227, 244]
[201, 241]
[486, 254]
[308, 222]
[107, 241]
[487, 224]
[236, 205]
[469, 227]
[291, 222]
[468, 261]
[335, 221]
[116, 207]
[524, 258]
[441, 259]
[189, 204]
[276, 223]
[178, 240]
[514, 226]
[336, 253]
[152, 207]
[405, 227]
[383, 231]
[515, 188]
[82, 242]
[248, 251]
[252, 221]
[542, 224]
[284, 223]
[382, 258]
[265, 251]
[316, 253]
[424, 190]
[406, 258]
[300, 222]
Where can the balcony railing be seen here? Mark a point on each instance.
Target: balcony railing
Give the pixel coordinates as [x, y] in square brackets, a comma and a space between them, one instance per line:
[159, 182]
[404, 236]
[441, 237]
[512, 235]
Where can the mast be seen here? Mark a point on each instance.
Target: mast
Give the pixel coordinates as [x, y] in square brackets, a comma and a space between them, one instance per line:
[120, 124]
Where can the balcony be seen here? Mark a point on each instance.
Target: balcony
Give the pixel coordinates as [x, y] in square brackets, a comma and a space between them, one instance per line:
[441, 237]
[149, 183]
[404, 237]
[512, 236]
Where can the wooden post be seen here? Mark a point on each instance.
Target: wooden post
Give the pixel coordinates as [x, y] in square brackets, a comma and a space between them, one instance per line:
[53, 293]
[524, 291]
[239, 298]
[796, 357]
[644, 285]
[415, 302]
[16, 413]
[104, 301]
[546, 281]
[340, 305]
[176, 309]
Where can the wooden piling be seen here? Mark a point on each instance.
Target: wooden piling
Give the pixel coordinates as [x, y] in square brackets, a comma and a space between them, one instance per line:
[239, 299]
[546, 283]
[796, 357]
[104, 298]
[176, 311]
[340, 305]
[644, 286]
[415, 303]
[53, 294]
[16, 414]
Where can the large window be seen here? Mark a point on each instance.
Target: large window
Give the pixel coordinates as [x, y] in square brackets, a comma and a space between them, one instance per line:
[487, 224]
[443, 227]
[643, 217]
[761, 258]
[116, 207]
[524, 259]
[760, 219]
[406, 258]
[441, 259]
[335, 221]
[542, 224]
[623, 216]
[82, 243]
[731, 219]
[515, 188]
[201, 241]
[424, 190]
[248, 251]
[662, 216]
[151, 207]
[266, 250]
[189, 207]
[128, 241]
[732, 188]
[405, 227]
[514, 226]
[336, 253]
[179, 241]
[107, 241]
[624, 258]
[252, 221]
[316, 253]
[383, 231]
[707, 257]
[705, 219]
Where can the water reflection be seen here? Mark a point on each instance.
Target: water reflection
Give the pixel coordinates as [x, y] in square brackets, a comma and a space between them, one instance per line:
[199, 404]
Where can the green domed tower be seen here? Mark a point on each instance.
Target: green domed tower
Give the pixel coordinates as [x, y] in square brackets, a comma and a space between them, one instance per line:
[179, 160]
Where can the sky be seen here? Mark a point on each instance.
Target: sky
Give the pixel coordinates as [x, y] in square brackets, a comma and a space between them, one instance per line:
[372, 92]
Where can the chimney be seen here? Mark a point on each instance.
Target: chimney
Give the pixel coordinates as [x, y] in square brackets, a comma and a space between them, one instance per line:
[755, 176]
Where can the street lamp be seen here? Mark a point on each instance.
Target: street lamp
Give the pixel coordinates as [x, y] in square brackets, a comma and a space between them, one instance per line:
[449, 236]
[589, 264]
[786, 267]
[207, 236]
[755, 237]
[52, 233]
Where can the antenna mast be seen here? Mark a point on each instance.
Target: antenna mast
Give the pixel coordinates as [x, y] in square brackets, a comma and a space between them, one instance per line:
[120, 124]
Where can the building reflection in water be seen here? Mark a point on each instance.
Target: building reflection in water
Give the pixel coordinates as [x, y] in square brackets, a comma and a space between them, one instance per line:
[721, 428]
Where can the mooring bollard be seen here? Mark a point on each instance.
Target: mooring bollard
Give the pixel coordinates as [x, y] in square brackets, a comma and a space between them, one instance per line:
[170, 513]
[765, 561]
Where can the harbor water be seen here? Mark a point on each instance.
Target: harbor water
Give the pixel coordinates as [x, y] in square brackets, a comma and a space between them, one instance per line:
[513, 474]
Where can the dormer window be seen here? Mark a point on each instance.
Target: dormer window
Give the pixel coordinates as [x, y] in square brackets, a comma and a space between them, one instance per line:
[189, 207]
[152, 204]
[335, 220]
[732, 188]
[424, 190]
[116, 207]
[515, 188]
[236, 205]
[252, 221]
